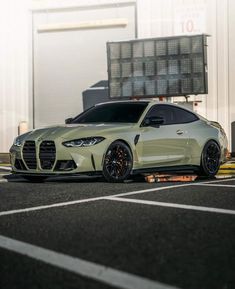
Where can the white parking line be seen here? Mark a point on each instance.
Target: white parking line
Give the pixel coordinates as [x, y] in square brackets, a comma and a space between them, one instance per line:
[64, 204]
[152, 190]
[84, 268]
[217, 181]
[215, 185]
[173, 205]
[56, 205]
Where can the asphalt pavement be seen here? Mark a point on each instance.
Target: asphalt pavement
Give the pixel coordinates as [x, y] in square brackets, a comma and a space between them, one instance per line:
[86, 233]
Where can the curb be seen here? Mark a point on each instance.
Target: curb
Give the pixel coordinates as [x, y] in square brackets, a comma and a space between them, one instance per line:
[5, 168]
[228, 168]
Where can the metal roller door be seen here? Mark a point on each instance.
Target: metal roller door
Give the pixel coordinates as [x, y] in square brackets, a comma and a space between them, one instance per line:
[69, 55]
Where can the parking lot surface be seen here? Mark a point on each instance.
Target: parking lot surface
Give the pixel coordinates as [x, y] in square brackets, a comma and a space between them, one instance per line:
[86, 233]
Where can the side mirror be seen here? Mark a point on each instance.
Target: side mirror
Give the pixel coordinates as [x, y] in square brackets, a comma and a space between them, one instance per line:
[68, 120]
[154, 121]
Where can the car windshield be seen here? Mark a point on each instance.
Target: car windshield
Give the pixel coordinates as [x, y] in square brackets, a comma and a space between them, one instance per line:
[112, 113]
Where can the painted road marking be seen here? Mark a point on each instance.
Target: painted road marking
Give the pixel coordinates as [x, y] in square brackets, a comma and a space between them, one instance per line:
[64, 204]
[84, 268]
[215, 185]
[70, 203]
[56, 205]
[218, 181]
[173, 205]
[151, 190]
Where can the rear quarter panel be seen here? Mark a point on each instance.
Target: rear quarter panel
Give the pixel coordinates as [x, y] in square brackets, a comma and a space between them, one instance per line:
[199, 134]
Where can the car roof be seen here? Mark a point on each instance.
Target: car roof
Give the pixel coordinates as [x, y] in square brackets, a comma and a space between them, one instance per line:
[125, 101]
[150, 101]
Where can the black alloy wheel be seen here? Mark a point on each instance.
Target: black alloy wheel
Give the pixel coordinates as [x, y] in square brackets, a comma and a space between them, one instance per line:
[210, 159]
[118, 162]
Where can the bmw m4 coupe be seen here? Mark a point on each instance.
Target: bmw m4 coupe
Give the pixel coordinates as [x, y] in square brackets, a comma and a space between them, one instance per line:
[122, 138]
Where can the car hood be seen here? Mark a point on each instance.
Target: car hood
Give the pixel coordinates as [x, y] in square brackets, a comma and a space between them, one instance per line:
[72, 131]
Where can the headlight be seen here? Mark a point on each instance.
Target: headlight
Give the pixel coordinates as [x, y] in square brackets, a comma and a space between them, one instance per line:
[84, 142]
[17, 142]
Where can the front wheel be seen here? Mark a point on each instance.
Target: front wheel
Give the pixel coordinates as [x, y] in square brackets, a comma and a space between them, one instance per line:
[210, 159]
[118, 162]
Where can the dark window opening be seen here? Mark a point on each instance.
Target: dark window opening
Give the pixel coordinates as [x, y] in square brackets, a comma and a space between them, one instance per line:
[172, 114]
[113, 113]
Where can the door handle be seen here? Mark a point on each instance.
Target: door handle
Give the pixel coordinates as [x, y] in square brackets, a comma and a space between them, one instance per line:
[179, 131]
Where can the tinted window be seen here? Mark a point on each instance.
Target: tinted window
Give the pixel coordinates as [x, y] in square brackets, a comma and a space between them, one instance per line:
[183, 116]
[113, 113]
[172, 114]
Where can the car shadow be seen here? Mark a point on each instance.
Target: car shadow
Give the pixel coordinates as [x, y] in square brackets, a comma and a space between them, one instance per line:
[98, 179]
[71, 179]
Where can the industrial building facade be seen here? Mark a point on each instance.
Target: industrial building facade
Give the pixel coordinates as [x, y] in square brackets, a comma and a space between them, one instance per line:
[53, 51]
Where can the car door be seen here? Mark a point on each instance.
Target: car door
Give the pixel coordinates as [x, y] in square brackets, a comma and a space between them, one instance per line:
[166, 144]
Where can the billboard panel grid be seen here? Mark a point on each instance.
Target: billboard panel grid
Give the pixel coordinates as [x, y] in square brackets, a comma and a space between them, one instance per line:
[170, 66]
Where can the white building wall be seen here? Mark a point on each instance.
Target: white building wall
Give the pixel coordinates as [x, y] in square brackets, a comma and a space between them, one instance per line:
[155, 18]
[16, 60]
[14, 72]
[231, 63]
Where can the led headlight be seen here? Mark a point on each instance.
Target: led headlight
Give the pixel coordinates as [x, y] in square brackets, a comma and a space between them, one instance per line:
[84, 142]
[17, 142]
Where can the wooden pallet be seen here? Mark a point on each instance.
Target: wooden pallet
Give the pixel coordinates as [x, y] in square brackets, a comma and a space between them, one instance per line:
[170, 178]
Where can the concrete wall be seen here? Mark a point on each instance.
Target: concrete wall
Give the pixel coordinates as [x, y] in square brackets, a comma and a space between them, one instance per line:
[155, 18]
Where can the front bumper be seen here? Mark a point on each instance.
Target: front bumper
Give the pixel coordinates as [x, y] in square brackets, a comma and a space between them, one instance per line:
[38, 159]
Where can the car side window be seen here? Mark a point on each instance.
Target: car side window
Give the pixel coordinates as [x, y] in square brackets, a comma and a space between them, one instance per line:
[171, 114]
[183, 116]
[161, 111]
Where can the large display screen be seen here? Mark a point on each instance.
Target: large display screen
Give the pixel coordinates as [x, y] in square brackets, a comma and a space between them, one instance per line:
[170, 66]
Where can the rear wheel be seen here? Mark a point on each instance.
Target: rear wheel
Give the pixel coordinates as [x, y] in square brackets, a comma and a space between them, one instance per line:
[210, 159]
[35, 179]
[118, 162]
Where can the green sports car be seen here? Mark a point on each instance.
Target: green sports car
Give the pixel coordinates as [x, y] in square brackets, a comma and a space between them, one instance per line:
[122, 138]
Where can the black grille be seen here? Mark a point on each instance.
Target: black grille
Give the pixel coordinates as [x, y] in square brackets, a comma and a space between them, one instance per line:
[19, 165]
[29, 154]
[47, 155]
[65, 165]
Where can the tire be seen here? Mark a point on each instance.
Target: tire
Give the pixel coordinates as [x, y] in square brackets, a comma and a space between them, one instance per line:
[35, 179]
[210, 159]
[118, 162]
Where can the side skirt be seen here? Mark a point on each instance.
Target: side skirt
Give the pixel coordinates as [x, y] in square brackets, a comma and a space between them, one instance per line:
[174, 169]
